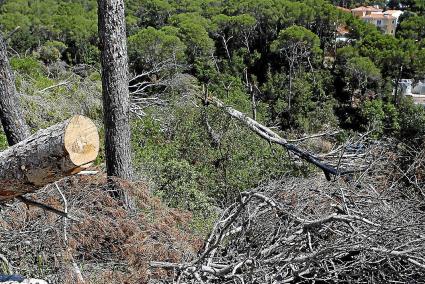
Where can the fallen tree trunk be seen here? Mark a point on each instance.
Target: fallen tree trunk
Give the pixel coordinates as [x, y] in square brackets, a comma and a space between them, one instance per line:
[271, 136]
[48, 155]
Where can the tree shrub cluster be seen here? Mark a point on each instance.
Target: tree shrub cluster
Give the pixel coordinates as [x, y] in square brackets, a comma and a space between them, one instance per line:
[277, 60]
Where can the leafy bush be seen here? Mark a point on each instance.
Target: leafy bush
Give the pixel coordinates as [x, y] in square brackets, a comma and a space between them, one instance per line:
[412, 121]
[27, 65]
[405, 121]
[52, 51]
[189, 170]
[380, 117]
[150, 47]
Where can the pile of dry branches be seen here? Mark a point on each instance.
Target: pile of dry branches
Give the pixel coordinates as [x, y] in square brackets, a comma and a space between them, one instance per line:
[370, 229]
[107, 244]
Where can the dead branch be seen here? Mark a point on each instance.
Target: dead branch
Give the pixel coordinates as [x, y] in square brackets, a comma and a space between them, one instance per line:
[313, 136]
[150, 87]
[272, 137]
[47, 208]
[60, 84]
[10, 34]
[297, 231]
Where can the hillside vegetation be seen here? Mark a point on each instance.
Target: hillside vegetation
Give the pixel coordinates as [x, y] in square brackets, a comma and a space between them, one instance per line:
[277, 61]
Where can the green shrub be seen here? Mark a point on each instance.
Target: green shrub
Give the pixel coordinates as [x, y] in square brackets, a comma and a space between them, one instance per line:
[3, 141]
[189, 171]
[52, 51]
[412, 121]
[149, 47]
[27, 65]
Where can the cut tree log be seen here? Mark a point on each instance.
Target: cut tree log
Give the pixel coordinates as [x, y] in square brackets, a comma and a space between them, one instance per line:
[50, 154]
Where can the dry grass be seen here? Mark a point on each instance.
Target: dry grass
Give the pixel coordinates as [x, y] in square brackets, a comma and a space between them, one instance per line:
[110, 244]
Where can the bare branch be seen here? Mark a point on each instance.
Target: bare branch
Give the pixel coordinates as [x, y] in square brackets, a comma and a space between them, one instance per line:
[47, 208]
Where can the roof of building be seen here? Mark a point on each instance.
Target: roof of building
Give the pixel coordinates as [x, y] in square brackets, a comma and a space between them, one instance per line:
[378, 16]
[343, 9]
[395, 13]
[342, 30]
[366, 8]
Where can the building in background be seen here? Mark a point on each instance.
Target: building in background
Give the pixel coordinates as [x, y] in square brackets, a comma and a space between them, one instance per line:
[414, 90]
[395, 13]
[386, 21]
[363, 11]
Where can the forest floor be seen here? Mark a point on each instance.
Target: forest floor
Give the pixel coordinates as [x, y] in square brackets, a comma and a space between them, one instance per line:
[109, 244]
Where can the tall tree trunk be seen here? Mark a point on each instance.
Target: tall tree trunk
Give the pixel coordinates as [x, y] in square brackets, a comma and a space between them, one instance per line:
[396, 83]
[11, 116]
[290, 86]
[253, 105]
[226, 47]
[116, 105]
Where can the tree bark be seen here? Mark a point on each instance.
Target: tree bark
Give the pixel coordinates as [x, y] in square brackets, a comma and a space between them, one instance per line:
[11, 116]
[396, 83]
[48, 155]
[116, 103]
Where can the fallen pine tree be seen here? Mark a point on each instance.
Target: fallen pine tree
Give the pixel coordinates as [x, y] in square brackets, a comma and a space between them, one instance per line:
[48, 155]
[272, 137]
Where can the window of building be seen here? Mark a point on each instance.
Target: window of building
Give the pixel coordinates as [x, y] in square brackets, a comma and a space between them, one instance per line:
[378, 22]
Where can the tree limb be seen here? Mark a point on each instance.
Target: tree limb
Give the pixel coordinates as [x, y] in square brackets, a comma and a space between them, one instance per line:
[46, 207]
[271, 136]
